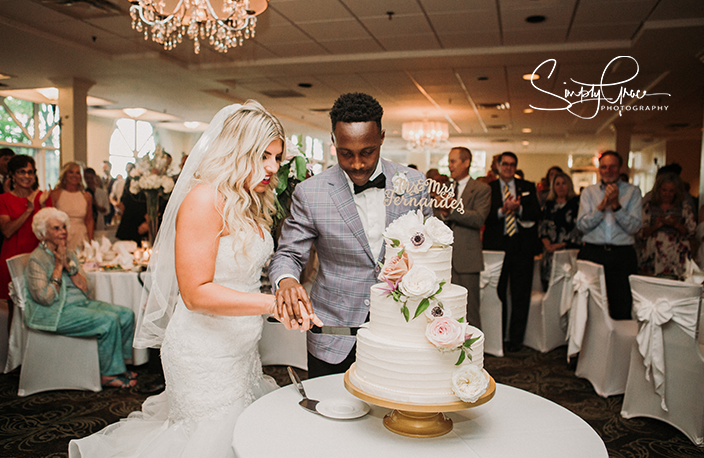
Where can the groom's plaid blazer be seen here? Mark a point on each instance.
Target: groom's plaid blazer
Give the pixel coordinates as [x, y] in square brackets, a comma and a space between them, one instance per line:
[323, 213]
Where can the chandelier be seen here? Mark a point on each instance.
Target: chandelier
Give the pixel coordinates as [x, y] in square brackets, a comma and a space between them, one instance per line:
[424, 134]
[224, 24]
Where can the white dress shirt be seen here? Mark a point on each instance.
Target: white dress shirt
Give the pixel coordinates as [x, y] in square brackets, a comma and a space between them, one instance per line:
[372, 212]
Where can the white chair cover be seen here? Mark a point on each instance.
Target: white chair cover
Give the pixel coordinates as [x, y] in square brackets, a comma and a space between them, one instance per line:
[582, 285]
[544, 329]
[49, 361]
[658, 301]
[604, 344]
[490, 308]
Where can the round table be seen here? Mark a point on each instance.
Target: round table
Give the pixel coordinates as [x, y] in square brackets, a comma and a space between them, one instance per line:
[514, 423]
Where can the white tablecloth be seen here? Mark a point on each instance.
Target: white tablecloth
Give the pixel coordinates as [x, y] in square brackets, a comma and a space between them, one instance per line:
[513, 424]
[121, 288]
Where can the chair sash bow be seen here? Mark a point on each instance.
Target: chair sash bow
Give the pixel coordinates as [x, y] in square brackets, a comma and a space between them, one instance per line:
[652, 315]
[581, 285]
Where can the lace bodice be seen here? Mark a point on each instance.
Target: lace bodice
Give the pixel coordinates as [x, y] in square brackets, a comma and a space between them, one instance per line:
[211, 362]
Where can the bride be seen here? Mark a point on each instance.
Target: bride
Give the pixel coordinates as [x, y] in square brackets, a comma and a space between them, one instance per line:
[204, 306]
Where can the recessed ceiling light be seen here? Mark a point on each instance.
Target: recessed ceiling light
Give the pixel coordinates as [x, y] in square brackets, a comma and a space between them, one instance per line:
[526, 130]
[191, 124]
[537, 19]
[526, 143]
[528, 110]
[5, 76]
[531, 77]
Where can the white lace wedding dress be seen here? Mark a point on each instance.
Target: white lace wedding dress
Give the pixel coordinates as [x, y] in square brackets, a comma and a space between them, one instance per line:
[212, 370]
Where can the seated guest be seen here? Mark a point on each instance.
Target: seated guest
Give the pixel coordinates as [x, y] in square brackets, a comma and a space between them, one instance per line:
[668, 223]
[558, 228]
[57, 301]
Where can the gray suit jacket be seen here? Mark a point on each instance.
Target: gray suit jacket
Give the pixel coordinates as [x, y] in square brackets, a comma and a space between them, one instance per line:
[323, 213]
[467, 249]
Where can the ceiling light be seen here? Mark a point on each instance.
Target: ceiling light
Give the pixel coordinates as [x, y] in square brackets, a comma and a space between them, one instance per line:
[422, 134]
[526, 143]
[526, 130]
[50, 93]
[528, 110]
[531, 77]
[134, 113]
[537, 19]
[191, 125]
[171, 20]
[5, 76]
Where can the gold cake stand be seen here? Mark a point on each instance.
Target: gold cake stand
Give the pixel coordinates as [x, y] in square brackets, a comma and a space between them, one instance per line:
[418, 420]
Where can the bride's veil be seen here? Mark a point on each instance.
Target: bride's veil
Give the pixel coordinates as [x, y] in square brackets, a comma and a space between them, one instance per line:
[160, 291]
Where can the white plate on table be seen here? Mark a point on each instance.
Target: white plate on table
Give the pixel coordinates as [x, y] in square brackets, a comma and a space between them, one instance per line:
[342, 408]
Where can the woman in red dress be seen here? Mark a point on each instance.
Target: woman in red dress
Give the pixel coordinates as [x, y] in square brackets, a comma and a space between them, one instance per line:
[17, 208]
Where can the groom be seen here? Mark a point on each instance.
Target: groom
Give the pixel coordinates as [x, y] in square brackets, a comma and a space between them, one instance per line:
[343, 212]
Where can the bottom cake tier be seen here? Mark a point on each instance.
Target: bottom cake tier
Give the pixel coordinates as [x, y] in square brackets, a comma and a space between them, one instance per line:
[405, 372]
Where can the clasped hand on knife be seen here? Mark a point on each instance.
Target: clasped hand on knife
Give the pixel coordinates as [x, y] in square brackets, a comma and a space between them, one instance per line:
[293, 307]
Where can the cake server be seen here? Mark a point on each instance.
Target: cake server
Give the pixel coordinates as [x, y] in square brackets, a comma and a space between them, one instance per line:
[335, 330]
[308, 404]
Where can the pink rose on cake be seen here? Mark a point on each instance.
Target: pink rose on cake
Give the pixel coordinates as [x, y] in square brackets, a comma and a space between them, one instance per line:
[419, 282]
[438, 231]
[446, 333]
[395, 267]
[469, 383]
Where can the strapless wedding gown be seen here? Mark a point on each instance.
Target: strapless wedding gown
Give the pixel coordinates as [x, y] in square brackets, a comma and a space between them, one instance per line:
[212, 369]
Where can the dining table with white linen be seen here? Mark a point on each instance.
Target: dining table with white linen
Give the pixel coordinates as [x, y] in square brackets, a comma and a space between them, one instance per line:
[515, 423]
[120, 287]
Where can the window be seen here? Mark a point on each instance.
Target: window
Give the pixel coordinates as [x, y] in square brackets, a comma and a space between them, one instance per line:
[33, 129]
[131, 139]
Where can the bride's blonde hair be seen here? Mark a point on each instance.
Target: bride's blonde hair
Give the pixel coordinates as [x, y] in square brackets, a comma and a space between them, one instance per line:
[234, 165]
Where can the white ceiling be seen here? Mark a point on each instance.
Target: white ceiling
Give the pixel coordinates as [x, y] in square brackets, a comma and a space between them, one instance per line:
[439, 46]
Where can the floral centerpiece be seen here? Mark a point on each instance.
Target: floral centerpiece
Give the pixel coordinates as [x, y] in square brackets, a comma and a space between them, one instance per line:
[150, 177]
[293, 170]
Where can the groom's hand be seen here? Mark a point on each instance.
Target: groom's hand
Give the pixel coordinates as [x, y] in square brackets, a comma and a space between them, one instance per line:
[294, 305]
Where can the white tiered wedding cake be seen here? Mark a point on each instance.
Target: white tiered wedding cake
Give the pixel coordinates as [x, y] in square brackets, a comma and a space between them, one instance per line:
[417, 347]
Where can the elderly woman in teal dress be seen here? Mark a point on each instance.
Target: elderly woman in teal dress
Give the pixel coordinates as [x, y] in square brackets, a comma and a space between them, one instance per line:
[57, 301]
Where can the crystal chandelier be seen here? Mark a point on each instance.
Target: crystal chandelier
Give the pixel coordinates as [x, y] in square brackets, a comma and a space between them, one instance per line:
[424, 134]
[224, 23]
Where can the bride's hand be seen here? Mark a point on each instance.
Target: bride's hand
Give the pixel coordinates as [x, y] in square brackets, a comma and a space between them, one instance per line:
[308, 319]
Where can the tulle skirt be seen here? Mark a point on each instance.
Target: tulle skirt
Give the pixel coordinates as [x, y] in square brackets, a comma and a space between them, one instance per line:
[150, 433]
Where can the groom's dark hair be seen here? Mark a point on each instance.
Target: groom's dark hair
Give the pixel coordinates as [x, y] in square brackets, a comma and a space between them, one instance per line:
[356, 107]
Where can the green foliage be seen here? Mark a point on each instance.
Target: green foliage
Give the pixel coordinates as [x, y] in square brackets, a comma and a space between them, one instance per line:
[422, 307]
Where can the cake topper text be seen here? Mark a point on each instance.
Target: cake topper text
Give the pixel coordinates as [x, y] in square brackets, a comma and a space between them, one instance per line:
[439, 195]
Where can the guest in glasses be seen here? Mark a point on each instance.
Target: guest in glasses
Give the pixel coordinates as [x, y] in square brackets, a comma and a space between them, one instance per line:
[342, 213]
[17, 207]
[57, 301]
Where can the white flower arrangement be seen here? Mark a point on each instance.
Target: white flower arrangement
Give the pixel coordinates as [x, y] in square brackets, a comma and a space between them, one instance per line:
[469, 383]
[150, 173]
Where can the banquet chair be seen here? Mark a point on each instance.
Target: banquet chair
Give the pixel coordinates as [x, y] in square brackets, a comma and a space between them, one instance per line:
[279, 346]
[667, 367]
[547, 316]
[603, 344]
[490, 308]
[49, 361]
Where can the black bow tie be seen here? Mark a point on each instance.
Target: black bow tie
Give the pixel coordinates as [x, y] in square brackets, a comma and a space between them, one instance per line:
[378, 182]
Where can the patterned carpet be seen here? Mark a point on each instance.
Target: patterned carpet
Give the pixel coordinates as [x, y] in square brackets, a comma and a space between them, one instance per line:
[42, 425]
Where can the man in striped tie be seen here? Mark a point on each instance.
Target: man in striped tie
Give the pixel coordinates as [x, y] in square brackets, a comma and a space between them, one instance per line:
[512, 227]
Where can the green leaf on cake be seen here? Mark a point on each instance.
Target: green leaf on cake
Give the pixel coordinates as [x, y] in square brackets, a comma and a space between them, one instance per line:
[404, 310]
[442, 283]
[424, 304]
[468, 343]
[460, 359]
[461, 319]
[394, 243]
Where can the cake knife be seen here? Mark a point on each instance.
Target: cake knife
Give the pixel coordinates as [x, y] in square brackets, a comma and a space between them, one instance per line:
[308, 404]
[329, 330]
